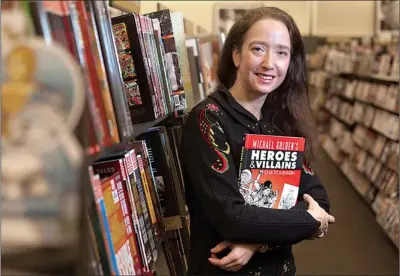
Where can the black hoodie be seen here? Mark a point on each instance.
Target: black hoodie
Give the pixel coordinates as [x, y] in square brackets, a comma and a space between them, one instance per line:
[210, 155]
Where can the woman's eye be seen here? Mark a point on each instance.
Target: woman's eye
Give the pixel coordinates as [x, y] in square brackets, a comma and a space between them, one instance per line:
[282, 53]
[258, 49]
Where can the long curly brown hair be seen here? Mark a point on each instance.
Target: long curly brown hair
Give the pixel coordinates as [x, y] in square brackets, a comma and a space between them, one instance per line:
[288, 105]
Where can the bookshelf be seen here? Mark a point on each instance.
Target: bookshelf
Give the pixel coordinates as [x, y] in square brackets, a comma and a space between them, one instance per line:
[140, 76]
[359, 115]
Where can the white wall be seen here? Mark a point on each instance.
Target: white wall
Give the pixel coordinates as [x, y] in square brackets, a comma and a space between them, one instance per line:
[344, 18]
[329, 18]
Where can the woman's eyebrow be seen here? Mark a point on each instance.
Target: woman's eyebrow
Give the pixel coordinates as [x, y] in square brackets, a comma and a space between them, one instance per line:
[280, 46]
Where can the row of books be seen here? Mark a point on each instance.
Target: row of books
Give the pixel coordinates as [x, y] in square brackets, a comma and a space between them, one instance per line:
[360, 183]
[318, 78]
[137, 65]
[387, 212]
[153, 59]
[82, 28]
[374, 151]
[138, 217]
[135, 68]
[367, 62]
[340, 109]
[368, 160]
[138, 211]
[362, 132]
[384, 96]
[374, 118]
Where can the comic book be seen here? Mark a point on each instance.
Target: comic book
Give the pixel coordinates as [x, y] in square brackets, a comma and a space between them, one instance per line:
[270, 170]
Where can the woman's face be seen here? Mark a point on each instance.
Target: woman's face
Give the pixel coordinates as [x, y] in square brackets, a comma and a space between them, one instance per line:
[264, 57]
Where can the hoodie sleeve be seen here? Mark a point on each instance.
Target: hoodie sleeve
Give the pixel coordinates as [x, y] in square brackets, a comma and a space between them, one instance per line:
[311, 184]
[211, 173]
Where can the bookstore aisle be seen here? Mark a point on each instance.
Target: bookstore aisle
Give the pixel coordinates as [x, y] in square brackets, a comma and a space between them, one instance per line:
[356, 244]
[354, 95]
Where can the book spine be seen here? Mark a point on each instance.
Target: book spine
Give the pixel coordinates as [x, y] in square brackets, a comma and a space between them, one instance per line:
[167, 91]
[152, 185]
[150, 59]
[105, 89]
[127, 201]
[137, 214]
[91, 102]
[145, 223]
[113, 70]
[94, 255]
[150, 206]
[101, 227]
[156, 61]
[146, 63]
[93, 78]
[123, 233]
[146, 189]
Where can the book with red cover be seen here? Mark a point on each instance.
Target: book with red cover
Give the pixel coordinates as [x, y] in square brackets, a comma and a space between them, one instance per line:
[270, 170]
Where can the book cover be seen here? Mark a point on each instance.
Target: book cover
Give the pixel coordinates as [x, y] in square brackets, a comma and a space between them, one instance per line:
[270, 170]
[121, 232]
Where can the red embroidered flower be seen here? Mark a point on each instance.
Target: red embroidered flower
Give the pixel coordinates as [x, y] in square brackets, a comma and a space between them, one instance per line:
[213, 107]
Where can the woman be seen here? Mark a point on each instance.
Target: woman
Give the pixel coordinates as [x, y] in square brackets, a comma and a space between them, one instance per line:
[263, 91]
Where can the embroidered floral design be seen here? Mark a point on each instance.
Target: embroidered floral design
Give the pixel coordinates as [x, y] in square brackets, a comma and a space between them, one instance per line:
[208, 128]
[285, 268]
[308, 169]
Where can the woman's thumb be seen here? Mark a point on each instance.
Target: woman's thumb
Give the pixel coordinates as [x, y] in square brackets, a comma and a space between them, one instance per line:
[308, 199]
[220, 247]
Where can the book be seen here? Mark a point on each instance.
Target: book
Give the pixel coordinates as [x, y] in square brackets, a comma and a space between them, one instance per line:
[180, 37]
[80, 29]
[172, 58]
[122, 236]
[101, 228]
[102, 75]
[270, 170]
[113, 70]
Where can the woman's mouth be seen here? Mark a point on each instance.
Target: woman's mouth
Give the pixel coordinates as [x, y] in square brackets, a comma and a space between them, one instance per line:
[266, 78]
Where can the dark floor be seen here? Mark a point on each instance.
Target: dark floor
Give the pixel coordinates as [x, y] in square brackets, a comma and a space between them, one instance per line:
[355, 245]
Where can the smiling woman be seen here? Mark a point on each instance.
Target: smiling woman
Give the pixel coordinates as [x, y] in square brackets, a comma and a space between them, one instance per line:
[263, 91]
[262, 61]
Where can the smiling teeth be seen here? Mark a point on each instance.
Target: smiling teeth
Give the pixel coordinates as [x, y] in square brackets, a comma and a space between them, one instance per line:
[265, 77]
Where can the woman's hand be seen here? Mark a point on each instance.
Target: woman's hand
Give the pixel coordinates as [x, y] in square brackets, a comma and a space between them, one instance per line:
[237, 258]
[319, 214]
